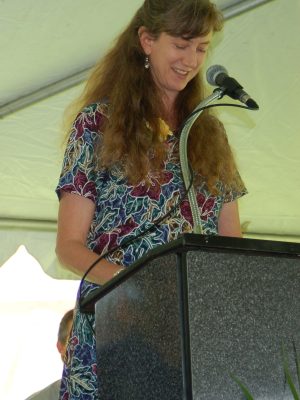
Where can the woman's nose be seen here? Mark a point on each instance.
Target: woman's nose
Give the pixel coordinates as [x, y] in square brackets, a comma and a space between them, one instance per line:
[191, 59]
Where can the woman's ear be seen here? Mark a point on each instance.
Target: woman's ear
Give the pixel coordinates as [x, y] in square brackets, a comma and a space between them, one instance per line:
[146, 40]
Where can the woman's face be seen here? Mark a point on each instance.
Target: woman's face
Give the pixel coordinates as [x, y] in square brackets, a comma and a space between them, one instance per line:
[174, 61]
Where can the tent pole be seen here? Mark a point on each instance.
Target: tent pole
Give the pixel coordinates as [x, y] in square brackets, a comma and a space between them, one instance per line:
[241, 7]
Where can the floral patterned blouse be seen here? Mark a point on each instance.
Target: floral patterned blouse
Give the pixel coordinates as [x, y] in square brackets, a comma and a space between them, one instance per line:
[122, 212]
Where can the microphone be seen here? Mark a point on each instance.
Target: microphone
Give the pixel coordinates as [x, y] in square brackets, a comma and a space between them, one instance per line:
[217, 75]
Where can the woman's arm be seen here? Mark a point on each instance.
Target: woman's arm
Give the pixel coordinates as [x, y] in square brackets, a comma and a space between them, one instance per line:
[74, 221]
[229, 220]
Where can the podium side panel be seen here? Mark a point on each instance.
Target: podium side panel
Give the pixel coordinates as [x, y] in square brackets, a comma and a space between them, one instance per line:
[138, 336]
[242, 308]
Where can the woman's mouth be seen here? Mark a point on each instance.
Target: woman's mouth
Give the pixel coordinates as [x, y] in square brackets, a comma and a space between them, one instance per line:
[180, 72]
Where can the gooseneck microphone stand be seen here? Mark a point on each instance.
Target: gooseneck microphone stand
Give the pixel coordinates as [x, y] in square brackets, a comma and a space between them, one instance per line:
[217, 94]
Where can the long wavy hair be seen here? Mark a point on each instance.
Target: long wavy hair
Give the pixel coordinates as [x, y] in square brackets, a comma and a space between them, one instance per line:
[134, 98]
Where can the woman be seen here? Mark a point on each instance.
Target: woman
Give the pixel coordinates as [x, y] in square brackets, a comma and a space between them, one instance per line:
[121, 169]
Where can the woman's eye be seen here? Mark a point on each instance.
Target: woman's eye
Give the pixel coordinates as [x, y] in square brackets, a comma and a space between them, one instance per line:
[180, 46]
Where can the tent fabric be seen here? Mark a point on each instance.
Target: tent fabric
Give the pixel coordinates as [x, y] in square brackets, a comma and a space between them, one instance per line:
[40, 245]
[31, 307]
[43, 42]
[259, 48]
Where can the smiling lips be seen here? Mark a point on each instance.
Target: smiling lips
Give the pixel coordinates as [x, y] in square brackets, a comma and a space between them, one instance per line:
[181, 71]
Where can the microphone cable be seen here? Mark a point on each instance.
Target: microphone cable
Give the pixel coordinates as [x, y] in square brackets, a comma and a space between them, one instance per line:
[155, 223]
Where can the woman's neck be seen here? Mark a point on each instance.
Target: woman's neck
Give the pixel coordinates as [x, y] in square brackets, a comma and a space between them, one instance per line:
[172, 122]
[169, 115]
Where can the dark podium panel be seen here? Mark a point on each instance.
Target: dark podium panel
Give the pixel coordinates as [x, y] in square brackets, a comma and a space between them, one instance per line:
[180, 321]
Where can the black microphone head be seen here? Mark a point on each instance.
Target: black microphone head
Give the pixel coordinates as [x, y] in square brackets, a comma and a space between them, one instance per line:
[213, 72]
[252, 104]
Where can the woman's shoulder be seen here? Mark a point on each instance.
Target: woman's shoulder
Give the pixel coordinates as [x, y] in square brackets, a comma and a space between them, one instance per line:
[94, 115]
[98, 108]
[90, 121]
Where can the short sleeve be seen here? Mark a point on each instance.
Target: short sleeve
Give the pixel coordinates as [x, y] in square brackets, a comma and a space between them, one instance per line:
[236, 191]
[78, 169]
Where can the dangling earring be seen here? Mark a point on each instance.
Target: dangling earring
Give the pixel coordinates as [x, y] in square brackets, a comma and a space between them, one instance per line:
[147, 63]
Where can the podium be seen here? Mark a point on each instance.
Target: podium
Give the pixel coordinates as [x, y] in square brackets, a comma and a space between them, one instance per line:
[192, 315]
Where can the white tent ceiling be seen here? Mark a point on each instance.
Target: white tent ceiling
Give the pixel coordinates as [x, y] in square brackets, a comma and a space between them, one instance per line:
[42, 42]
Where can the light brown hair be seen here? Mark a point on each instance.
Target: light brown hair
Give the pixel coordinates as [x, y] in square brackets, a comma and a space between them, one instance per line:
[120, 77]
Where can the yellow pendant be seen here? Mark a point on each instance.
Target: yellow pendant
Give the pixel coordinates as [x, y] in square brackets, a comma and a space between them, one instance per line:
[164, 130]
